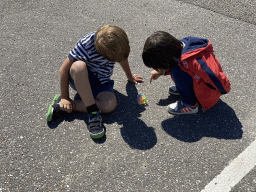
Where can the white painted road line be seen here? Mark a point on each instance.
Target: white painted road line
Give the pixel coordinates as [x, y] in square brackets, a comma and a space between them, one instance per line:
[234, 172]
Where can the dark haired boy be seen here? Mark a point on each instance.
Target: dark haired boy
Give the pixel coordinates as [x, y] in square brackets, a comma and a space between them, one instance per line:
[196, 71]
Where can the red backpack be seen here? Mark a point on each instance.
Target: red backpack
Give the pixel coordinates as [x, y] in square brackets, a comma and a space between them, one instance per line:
[199, 61]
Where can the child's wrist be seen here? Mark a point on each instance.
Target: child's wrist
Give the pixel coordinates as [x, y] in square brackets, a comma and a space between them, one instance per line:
[64, 96]
[130, 77]
[163, 72]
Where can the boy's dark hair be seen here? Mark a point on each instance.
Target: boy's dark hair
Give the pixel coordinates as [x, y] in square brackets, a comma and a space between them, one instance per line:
[160, 51]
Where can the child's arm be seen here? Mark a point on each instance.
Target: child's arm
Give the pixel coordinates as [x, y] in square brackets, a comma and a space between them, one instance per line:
[66, 103]
[155, 74]
[131, 77]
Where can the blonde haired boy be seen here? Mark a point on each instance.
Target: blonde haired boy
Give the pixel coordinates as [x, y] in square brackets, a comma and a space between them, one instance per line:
[88, 69]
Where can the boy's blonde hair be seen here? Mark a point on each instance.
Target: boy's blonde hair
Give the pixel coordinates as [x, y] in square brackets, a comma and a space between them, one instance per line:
[112, 43]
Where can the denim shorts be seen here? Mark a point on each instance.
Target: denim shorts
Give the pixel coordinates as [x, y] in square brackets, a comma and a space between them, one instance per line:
[96, 85]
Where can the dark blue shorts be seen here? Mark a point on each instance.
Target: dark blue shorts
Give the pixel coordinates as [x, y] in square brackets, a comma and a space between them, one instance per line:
[96, 86]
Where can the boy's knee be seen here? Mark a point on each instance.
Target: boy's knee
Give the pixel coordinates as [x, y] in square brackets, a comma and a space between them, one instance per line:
[109, 107]
[78, 67]
[107, 103]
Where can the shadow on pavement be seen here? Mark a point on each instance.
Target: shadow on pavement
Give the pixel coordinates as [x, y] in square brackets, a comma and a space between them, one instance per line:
[219, 122]
[134, 131]
[63, 116]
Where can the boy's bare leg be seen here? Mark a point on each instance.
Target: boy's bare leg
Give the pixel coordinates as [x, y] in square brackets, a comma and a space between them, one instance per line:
[106, 101]
[79, 73]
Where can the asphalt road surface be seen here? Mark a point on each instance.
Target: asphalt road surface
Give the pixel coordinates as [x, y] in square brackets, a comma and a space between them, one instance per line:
[145, 148]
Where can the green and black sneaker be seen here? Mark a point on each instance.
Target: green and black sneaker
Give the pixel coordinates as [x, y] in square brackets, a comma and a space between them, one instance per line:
[95, 125]
[54, 107]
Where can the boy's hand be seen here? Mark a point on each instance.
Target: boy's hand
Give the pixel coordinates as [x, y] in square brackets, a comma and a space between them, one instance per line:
[136, 79]
[154, 75]
[67, 105]
[132, 78]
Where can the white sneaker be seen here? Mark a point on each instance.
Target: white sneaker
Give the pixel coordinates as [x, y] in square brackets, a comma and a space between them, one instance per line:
[180, 108]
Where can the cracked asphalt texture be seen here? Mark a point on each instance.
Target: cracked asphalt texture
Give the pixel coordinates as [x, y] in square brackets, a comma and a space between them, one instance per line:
[145, 148]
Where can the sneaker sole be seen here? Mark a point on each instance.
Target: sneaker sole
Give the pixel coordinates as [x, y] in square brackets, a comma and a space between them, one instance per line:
[174, 93]
[185, 113]
[98, 136]
[50, 110]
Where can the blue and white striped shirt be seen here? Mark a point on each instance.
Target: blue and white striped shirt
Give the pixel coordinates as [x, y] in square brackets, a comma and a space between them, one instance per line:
[86, 51]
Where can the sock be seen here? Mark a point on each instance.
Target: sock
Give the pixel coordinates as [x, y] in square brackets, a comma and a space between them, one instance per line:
[92, 109]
